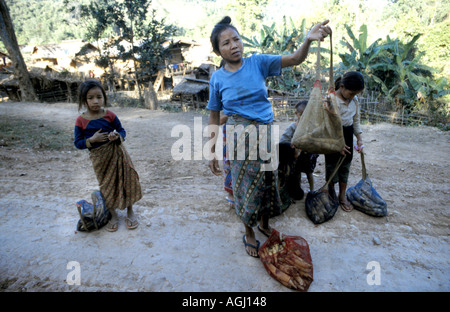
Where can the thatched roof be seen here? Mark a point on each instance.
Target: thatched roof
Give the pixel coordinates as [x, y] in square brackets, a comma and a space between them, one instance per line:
[191, 86]
[177, 43]
[69, 49]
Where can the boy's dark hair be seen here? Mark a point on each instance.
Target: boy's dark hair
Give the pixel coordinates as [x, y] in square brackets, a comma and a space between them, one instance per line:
[84, 89]
[301, 103]
[224, 24]
[353, 81]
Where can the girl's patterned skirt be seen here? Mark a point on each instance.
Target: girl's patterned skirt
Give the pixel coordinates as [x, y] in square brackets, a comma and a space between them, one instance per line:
[117, 178]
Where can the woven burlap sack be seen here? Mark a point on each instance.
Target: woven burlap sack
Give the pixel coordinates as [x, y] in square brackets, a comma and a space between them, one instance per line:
[319, 130]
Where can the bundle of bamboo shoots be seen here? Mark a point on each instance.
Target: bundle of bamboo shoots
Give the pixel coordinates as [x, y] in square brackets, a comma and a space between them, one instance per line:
[287, 261]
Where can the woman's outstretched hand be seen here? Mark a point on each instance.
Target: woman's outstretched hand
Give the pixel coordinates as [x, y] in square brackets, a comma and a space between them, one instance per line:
[319, 31]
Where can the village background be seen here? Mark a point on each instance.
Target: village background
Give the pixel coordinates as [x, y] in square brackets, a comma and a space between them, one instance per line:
[189, 239]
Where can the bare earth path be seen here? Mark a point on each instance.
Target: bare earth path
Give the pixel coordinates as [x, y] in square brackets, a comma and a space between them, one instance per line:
[189, 239]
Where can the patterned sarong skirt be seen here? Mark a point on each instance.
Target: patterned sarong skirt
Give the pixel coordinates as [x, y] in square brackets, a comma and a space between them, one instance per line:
[117, 178]
[255, 191]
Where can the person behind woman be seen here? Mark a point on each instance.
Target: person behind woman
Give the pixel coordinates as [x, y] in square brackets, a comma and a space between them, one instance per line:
[239, 89]
[347, 87]
[294, 161]
[228, 185]
[101, 131]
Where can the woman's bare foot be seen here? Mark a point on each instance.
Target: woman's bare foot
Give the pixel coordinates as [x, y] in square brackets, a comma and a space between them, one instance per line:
[264, 226]
[250, 242]
[266, 231]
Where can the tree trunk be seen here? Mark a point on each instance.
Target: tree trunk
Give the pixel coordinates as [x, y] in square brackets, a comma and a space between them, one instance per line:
[150, 98]
[9, 39]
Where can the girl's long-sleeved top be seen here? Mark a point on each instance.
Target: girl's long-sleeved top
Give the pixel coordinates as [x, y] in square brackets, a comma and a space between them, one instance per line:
[350, 114]
[86, 127]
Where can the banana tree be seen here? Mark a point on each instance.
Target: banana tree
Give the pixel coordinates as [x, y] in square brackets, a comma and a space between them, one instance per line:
[361, 58]
[408, 74]
[391, 67]
[261, 44]
[270, 41]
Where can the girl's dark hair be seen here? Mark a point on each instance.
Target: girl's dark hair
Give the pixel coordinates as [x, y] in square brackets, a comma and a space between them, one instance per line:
[353, 81]
[224, 24]
[84, 89]
[301, 103]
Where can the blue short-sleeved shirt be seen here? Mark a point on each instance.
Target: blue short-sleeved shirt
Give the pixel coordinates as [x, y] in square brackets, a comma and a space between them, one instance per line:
[244, 92]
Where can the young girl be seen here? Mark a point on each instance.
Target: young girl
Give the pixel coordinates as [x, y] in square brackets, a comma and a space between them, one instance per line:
[100, 131]
[347, 87]
[238, 88]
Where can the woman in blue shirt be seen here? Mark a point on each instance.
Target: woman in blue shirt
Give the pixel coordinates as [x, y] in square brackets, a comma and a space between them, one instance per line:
[238, 88]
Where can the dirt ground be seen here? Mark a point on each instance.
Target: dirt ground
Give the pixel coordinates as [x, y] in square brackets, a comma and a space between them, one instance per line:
[189, 240]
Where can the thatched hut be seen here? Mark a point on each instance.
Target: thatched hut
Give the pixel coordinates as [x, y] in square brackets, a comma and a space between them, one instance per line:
[193, 92]
[75, 56]
[49, 86]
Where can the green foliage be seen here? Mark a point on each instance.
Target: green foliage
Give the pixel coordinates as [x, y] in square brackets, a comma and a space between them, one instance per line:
[395, 69]
[136, 24]
[249, 14]
[272, 41]
[132, 30]
[41, 21]
[411, 81]
[361, 56]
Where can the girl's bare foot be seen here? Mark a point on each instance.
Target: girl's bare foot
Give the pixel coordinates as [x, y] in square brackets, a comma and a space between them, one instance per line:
[113, 224]
[346, 205]
[131, 219]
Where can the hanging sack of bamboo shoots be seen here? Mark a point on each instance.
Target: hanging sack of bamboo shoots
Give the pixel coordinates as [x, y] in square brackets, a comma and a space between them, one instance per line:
[320, 205]
[364, 197]
[288, 260]
[319, 130]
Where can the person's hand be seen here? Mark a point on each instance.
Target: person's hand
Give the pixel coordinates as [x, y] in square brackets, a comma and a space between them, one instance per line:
[319, 31]
[214, 166]
[359, 146]
[99, 136]
[346, 150]
[113, 135]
